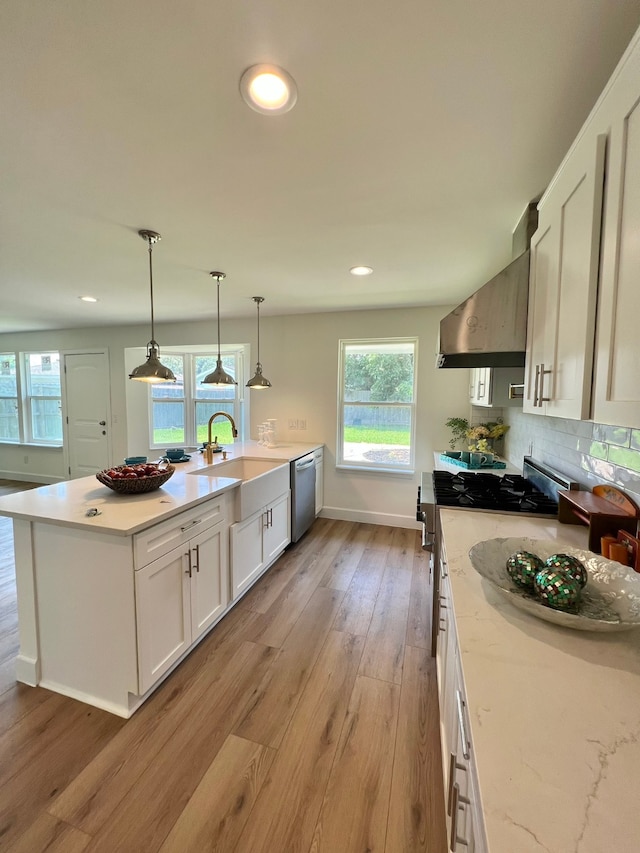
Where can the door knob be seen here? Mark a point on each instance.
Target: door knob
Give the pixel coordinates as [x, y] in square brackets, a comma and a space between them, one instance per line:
[103, 423]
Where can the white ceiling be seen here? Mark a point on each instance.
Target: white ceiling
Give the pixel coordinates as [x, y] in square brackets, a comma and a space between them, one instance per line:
[422, 130]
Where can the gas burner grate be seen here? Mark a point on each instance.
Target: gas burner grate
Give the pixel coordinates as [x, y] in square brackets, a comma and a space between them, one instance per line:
[511, 493]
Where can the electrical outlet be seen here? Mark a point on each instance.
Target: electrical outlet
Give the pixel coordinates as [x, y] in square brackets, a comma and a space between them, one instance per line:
[293, 423]
[26, 460]
[302, 424]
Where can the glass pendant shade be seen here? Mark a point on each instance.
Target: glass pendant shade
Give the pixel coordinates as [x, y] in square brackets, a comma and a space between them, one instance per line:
[152, 370]
[219, 377]
[258, 381]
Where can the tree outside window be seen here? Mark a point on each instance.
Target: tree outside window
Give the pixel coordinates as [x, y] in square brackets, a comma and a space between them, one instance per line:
[377, 404]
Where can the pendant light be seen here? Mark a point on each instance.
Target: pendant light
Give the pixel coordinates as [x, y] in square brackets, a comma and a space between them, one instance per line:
[152, 370]
[219, 376]
[258, 381]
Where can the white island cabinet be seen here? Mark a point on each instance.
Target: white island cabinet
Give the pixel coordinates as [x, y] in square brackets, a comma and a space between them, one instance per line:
[108, 625]
[114, 590]
[182, 591]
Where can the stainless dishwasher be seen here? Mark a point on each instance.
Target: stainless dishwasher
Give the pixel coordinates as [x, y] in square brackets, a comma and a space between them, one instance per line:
[303, 495]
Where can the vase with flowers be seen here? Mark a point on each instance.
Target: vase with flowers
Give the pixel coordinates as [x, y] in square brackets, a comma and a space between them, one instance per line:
[480, 437]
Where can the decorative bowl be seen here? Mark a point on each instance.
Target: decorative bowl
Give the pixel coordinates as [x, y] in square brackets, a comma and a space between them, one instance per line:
[137, 485]
[610, 601]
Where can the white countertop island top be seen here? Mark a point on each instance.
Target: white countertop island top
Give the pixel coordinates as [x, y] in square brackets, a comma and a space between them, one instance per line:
[67, 503]
[555, 712]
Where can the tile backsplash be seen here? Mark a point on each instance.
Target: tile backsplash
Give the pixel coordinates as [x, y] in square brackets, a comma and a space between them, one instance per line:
[587, 452]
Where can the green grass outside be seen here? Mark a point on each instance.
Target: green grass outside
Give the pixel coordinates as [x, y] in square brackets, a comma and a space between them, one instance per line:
[174, 437]
[372, 435]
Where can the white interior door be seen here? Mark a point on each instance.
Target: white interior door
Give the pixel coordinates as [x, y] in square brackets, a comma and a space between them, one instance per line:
[87, 409]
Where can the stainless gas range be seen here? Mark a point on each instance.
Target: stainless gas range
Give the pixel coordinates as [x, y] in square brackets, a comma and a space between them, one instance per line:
[534, 493]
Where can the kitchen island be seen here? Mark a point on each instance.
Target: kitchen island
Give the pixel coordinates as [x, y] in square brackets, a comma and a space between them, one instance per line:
[553, 713]
[114, 590]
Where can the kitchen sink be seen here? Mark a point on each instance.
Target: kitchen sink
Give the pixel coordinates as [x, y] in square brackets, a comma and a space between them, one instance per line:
[263, 480]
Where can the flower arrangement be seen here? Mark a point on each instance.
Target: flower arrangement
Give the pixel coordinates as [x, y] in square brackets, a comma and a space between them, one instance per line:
[479, 436]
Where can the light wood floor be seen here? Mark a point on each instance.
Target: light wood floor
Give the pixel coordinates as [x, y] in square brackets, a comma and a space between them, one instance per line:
[307, 721]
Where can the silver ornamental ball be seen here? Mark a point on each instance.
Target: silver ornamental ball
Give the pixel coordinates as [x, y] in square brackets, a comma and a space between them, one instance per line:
[523, 567]
[556, 589]
[570, 565]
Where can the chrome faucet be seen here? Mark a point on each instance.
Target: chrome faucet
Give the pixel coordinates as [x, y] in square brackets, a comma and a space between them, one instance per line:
[209, 448]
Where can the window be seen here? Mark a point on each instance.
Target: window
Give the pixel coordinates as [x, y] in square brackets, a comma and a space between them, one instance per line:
[376, 421]
[30, 398]
[180, 412]
[43, 397]
[9, 412]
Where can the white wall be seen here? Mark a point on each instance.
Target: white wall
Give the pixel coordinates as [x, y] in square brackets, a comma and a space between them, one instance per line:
[299, 354]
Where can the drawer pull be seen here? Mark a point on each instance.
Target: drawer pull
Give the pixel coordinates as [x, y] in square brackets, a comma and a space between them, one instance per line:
[191, 524]
[466, 743]
[457, 801]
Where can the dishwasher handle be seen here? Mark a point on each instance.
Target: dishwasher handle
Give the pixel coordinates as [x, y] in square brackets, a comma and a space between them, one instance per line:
[301, 464]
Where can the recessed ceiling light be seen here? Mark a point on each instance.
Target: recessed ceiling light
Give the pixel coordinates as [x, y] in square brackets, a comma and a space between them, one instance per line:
[268, 89]
[361, 270]
[88, 298]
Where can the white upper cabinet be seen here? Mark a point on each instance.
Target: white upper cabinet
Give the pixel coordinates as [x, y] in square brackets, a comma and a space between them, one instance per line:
[583, 347]
[617, 389]
[563, 284]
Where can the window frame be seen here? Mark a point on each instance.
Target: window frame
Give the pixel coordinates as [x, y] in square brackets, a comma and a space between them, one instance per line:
[15, 399]
[367, 465]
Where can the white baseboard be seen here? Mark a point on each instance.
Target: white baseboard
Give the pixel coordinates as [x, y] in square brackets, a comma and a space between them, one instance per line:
[386, 519]
[27, 670]
[89, 699]
[21, 477]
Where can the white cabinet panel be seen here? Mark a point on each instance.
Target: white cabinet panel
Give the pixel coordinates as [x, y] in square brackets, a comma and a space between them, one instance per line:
[161, 538]
[319, 462]
[480, 386]
[163, 607]
[277, 532]
[184, 591]
[209, 578]
[565, 253]
[246, 552]
[617, 390]
[258, 541]
[465, 823]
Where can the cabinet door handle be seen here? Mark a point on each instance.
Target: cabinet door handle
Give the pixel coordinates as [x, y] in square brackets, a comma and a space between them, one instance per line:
[453, 766]
[466, 743]
[265, 516]
[188, 556]
[197, 550]
[535, 387]
[190, 525]
[542, 398]
[457, 800]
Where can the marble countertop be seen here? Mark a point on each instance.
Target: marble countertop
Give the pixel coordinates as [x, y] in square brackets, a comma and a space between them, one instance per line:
[67, 503]
[554, 712]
